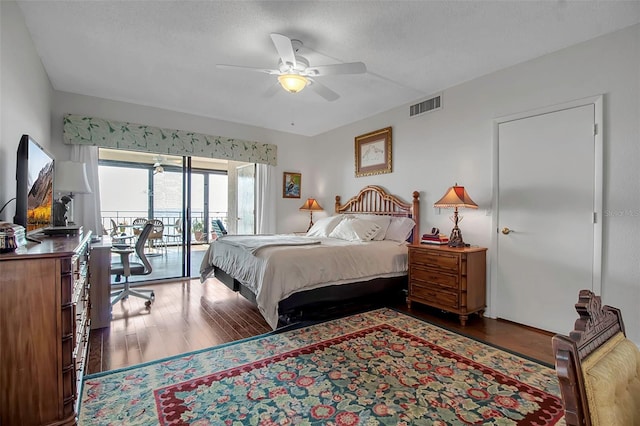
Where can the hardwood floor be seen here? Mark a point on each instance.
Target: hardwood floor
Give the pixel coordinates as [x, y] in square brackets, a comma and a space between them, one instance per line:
[188, 315]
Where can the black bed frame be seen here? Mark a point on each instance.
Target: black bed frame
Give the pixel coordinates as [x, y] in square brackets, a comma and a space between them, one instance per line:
[330, 301]
[338, 300]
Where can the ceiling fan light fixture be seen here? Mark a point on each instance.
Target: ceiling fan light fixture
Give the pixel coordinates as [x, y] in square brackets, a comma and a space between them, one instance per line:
[293, 83]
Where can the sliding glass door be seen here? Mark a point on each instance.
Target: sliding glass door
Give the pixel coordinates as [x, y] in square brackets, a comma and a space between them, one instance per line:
[185, 194]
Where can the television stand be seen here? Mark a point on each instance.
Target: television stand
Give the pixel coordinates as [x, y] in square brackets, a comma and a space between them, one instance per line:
[63, 230]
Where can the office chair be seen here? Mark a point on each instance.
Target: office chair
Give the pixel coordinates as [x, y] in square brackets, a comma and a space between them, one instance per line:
[127, 268]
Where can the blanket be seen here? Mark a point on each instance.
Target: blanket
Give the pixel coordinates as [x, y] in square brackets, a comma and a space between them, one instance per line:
[254, 243]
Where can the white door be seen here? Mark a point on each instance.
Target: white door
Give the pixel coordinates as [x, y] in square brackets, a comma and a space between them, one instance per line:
[547, 241]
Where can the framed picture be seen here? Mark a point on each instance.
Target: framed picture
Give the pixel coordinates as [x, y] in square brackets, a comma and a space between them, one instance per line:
[291, 185]
[373, 153]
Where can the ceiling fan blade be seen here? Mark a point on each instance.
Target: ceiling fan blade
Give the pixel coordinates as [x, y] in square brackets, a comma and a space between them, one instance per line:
[323, 91]
[284, 48]
[241, 68]
[348, 68]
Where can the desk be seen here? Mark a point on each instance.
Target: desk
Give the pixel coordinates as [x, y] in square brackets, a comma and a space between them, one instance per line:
[122, 239]
[100, 279]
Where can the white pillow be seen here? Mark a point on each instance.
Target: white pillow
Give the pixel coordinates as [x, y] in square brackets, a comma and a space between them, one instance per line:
[324, 226]
[355, 230]
[382, 221]
[400, 229]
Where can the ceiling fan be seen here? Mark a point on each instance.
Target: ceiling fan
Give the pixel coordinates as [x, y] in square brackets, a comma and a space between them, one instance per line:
[160, 161]
[295, 73]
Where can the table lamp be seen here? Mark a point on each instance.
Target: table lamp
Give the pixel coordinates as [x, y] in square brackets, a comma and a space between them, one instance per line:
[311, 205]
[455, 197]
[71, 177]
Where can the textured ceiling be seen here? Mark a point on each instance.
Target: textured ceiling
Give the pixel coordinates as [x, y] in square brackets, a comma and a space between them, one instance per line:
[164, 53]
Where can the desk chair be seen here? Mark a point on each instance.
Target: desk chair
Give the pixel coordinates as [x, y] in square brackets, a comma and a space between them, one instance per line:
[127, 268]
[598, 368]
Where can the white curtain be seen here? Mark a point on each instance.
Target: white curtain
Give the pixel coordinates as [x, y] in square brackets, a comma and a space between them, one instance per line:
[87, 206]
[265, 199]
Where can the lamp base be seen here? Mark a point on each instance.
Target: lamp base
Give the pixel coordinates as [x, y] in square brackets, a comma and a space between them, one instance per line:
[310, 220]
[455, 239]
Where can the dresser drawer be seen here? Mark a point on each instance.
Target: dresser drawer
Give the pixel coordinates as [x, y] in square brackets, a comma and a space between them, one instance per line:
[433, 296]
[440, 260]
[427, 275]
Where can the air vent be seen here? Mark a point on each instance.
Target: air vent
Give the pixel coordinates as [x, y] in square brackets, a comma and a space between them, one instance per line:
[425, 106]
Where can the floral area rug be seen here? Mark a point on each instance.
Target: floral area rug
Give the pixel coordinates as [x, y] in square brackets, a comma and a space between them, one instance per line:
[377, 368]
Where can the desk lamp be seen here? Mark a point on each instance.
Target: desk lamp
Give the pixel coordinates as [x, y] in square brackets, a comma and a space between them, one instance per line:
[71, 177]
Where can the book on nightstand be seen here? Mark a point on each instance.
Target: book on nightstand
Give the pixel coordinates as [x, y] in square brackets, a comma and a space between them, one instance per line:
[436, 239]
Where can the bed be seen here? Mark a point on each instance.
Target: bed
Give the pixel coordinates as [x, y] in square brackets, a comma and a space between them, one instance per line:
[353, 259]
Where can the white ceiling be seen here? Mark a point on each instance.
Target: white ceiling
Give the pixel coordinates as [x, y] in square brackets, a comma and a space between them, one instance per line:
[164, 53]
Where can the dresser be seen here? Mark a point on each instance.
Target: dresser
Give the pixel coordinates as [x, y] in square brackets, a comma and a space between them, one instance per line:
[44, 330]
[451, 279]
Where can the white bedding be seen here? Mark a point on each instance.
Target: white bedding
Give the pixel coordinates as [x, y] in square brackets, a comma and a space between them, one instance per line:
[253, 244]
[276, 272]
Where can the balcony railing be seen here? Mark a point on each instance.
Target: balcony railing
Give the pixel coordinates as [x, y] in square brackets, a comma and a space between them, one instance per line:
[124, 218]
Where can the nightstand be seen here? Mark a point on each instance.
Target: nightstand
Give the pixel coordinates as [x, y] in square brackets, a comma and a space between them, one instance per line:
[448, 278]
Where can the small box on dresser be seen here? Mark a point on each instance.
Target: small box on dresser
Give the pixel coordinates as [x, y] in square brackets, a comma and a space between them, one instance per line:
[44, 330]
[447, 278]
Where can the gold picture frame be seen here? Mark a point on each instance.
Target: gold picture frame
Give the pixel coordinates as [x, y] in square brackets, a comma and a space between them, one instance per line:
[373, 153]
[291, 185]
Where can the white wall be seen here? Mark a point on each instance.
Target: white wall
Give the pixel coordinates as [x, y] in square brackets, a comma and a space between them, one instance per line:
[455, 144]
[25, 100]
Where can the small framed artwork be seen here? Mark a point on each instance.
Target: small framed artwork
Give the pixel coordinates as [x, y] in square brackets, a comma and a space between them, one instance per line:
[291, 183]
[373, 153]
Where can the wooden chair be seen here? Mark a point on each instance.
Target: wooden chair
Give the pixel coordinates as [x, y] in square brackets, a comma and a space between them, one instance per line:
[138, 223]
[598, 367]
[156, 238]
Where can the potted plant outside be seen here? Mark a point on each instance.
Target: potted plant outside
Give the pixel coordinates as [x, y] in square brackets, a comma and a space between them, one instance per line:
[198, 228]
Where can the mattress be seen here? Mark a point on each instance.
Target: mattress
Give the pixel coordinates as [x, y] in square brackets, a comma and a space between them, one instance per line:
[275, 272]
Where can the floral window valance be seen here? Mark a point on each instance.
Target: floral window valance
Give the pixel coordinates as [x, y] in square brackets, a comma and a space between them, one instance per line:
[79, 130]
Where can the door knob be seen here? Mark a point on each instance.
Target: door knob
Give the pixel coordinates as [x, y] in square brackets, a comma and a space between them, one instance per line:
[506, 230]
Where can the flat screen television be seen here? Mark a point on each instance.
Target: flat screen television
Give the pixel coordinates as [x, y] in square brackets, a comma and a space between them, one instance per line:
[34, 186]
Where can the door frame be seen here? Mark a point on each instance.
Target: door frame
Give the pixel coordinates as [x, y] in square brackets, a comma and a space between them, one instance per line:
[597, 102]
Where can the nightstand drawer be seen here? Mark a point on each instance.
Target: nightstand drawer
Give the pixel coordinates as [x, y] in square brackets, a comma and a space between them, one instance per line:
[433, 259]
[433, 296]
[426, 275]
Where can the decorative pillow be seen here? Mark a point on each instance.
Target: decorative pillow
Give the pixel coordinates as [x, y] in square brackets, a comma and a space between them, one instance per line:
[355, 230]
[400, 229]
[324, 226]
[382, 221]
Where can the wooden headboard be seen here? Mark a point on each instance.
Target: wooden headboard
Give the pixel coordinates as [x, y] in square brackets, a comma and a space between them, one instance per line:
[374, 199]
